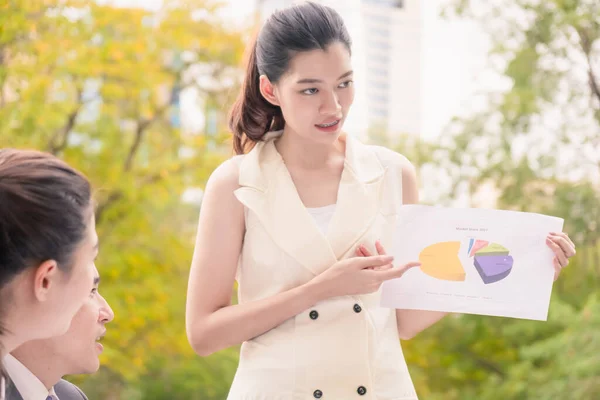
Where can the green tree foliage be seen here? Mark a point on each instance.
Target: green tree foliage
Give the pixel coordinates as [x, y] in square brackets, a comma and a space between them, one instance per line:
[538, 144]
[96, 85]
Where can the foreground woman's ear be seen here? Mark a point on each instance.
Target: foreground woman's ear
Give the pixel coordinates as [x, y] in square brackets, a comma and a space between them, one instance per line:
[268, 90]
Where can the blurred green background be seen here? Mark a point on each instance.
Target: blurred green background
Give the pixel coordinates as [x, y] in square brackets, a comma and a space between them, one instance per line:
[101, 86]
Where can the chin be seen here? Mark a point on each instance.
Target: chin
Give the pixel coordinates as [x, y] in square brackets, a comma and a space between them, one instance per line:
[92, 368]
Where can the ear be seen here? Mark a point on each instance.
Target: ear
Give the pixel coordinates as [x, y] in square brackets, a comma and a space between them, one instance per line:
[46, 276]
[268, 90]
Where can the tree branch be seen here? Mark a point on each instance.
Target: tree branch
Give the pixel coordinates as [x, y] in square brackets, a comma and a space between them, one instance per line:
[117, 195]
[486, 364]
[142, 126]
[59, 139]
[61, 135]
[137, 141]
[110, 200]
[586, 47]
[593, 81]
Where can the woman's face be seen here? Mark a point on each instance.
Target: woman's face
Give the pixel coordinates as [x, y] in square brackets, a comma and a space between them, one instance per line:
[43, 300]
[74, 288]
[316, 93]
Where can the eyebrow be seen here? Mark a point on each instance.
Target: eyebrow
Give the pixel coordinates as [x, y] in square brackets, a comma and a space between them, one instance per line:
[96, 280]
[312, 80]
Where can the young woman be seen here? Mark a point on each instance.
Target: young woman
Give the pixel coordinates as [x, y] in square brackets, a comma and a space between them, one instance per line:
[48, 244]
[295, 221]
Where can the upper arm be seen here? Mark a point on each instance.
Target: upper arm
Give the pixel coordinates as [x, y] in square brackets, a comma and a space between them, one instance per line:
[409, 322]
[410, 185]
[219, 239]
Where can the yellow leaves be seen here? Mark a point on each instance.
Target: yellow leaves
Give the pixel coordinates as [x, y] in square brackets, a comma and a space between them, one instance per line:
[129, 61]
[117, 55]
[138, 361]
[130, 300]
[135, 322]
[111, 274]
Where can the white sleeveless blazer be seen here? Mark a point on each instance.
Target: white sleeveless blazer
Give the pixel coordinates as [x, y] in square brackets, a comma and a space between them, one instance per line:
[345, 347]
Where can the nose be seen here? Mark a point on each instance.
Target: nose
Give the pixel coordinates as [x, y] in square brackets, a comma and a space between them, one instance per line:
[106, 313]
[330, 104]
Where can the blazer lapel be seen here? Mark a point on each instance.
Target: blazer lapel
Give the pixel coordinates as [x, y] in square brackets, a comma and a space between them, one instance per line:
[358, 198]
[267, 189]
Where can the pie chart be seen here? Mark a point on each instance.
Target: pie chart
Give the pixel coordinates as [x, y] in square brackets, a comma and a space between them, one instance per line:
[441, 260]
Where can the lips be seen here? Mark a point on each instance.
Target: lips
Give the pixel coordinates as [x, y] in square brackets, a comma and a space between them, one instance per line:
[99, 345]
[329, 124]
[101, 336]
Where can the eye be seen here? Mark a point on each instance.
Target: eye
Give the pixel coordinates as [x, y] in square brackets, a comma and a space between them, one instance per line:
[93, 292]
[310, 91]
[346, 84]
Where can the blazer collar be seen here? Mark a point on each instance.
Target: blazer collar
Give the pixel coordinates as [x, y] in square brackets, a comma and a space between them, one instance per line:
[268, 190]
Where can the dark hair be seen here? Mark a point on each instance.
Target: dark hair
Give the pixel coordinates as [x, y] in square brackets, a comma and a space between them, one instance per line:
[3, 374]
[303, 27]
[45, 207]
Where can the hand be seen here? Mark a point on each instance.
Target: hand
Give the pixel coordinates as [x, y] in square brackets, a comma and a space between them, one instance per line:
[362, 251]
[563, 248]
[358, 275]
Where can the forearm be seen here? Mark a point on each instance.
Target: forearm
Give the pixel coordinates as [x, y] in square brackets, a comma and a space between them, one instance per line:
[412, 322]
[235, 324]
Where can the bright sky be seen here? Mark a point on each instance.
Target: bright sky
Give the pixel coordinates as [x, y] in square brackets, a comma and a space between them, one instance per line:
[454, 59]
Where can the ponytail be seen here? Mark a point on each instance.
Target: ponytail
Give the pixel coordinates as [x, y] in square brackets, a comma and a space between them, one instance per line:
[252, 116]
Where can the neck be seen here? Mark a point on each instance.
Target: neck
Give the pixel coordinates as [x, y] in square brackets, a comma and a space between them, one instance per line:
[41, 363]
[305, 153]
[8, 343]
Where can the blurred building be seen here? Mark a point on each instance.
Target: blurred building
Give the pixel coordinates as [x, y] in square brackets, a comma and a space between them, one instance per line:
[387, 58]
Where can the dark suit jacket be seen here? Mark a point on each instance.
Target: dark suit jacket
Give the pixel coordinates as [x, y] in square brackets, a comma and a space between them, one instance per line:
[67, 391]
[64, 390]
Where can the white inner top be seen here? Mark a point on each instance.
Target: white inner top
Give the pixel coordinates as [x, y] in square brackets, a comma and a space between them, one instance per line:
[322, 216]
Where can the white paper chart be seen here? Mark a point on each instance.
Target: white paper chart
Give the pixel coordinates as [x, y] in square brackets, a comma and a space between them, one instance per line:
[473, 261]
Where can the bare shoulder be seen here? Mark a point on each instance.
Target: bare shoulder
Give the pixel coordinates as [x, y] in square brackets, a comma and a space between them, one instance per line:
[219, 195]
[391, 158]
[226, 176]
[224, 180]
